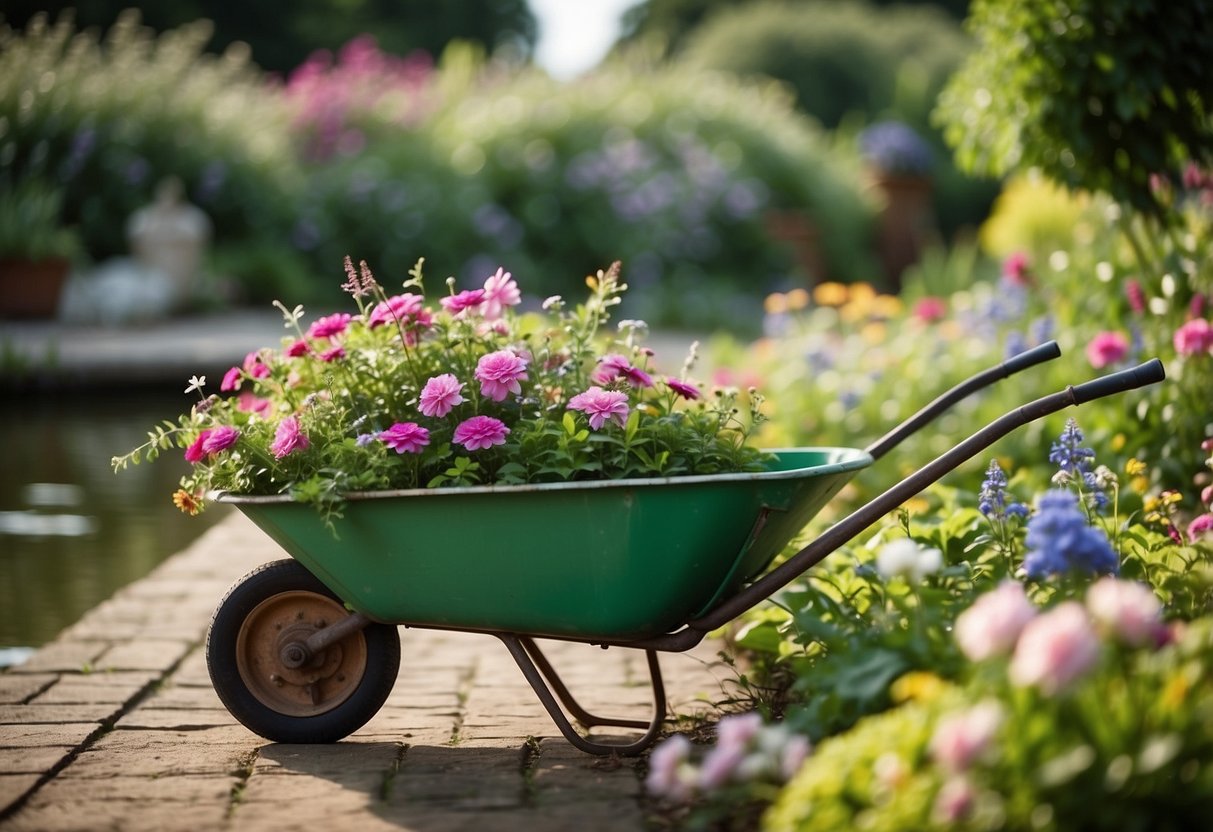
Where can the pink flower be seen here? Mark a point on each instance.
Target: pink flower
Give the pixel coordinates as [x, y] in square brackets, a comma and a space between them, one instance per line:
[954, 802]
[1201, 526]
[1206, 495]
[1194, 337]
[1055, 649]
[405, 437]
[330, 326]
[288, 438]
[613, 366]
[480, 432]
[231, 380]
[600, 405]
[249, 403]
[961, 738]
[462, 302]
[220, 439]
[667, 776]
[194, 452]
[333, 353]
[500, 291]
[499, 373]
[1127, 609]
[1016, 269]
[255, 366]
[1135, 296]
[399, 308]
[687, 391]
[993, 623]
[930, 309]
[298, 348]
[1107, 348]
[440, 395]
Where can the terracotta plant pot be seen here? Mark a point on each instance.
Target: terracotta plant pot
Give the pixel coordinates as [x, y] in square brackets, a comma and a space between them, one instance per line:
[31, 288]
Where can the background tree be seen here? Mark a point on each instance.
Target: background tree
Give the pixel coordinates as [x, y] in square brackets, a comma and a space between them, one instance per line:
[283, 35]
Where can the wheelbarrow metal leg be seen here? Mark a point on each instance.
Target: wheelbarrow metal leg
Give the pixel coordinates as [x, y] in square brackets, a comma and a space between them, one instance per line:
[548, 687]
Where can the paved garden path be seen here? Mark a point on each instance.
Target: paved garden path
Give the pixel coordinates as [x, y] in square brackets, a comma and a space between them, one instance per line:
[114, 725]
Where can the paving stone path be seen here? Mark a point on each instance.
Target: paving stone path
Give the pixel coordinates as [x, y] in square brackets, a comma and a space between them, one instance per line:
[115, 726]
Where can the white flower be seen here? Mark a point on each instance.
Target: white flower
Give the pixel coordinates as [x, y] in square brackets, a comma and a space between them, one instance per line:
[906, 558]
[196, 383]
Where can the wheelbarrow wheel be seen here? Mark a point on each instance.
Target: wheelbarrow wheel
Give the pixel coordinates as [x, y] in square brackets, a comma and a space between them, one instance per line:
[260, 621]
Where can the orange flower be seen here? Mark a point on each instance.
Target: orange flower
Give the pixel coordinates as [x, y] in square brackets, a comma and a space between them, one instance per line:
[187, 502]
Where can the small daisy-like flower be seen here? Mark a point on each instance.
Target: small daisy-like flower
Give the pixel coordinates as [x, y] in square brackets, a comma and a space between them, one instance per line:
[196, 383]
[186, 502]
[480, 432]
[405, 437]
[601, 406]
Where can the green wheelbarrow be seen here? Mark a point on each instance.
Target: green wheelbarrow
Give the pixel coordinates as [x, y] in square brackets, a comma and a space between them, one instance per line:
[307, 649]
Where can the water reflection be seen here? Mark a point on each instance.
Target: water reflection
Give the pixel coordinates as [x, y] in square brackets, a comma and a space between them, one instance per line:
[71, 531]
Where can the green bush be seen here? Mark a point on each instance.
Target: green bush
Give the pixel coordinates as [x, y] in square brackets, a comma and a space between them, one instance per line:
[107, 119]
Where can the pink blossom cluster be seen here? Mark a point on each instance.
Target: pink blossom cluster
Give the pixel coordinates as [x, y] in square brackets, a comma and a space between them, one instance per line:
[1051, 650]
[745, 751]
[1194, 338]
[1107, 348]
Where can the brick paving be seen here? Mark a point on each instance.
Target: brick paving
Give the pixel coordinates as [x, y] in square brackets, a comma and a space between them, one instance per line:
[114, 725]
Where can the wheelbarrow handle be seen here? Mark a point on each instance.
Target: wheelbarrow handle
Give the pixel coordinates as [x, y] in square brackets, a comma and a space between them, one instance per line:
[841, 532]
[1028, 358]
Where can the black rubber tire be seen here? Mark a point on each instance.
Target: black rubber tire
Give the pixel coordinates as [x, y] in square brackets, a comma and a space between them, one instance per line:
[378, 678]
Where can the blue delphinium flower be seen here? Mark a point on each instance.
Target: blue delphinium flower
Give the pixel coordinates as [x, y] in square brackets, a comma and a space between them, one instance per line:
[1074, 463]
[992, 501]
[1060, 540]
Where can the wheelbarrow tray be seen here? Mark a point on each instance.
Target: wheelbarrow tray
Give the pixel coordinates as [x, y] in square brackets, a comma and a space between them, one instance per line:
[611, 560]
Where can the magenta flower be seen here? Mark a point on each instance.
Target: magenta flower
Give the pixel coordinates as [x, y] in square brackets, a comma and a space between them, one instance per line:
[961, 738]
[333, 353]
[330, 326]
[1055, 649]
[601, 405]
[931, 309]
[614, 366]
[682, 388]
[1107, 348]
[1201, 526]
[500, 291]
[1194, 337]
[499, 374]
[1127, 609]
[991, 626]
[400, 308]
[194, 452]
[288, 438]
[220, 439]
[1135, 296]
[405, 437]
[249, 403]
[480, 432]
[462, 302]
[1016, 269]
[231, 380]
[440, 395]
[298, 348]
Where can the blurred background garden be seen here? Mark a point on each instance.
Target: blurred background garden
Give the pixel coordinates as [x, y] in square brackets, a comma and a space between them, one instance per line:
[853, 204]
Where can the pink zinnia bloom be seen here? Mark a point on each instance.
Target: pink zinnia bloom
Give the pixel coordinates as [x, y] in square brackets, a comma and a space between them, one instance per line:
[600, 405]
[687, 391]
[1107, 348]
[930, 309]
[398, 308]
[1055, 649]
[1015, 269]
[1201, 526]
[231, 380]
[405, 437]
[333, 353]
[991, 626]
[288, 438]
[499, 374]
[220, 439]
[1128, 609]
[1194, 337]
[500, 291]
[440, 395]
[961, 738]
[480, 432]
[249, 403]
[298, 348]
[194, 452]
[329, 326]
[465, 300]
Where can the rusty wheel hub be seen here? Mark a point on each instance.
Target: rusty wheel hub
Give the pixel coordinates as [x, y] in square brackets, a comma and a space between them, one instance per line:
[274, 662]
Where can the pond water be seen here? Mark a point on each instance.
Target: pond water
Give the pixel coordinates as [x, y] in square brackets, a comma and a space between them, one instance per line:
[72, 531]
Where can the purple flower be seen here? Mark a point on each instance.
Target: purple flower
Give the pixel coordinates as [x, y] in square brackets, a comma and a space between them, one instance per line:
[601, 406]
[992, 501]
[405, 437]
[288, 438]
[480, 432]
[894, 147]
[1060, 540]
[220, 439]
[614, 366]
[682, 388]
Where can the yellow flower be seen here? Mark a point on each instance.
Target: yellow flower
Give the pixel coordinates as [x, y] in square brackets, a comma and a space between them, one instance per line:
[1118, 442]
[830, 294]
[1134, 467]
[798, 299]
[916, 505]
[186, 501]
[775, 303]
[1176, 691]
[919, 685]
[1139, 484]
[887, 306]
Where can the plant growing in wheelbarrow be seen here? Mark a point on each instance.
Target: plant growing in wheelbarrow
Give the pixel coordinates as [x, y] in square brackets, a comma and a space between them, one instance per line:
[509, 474]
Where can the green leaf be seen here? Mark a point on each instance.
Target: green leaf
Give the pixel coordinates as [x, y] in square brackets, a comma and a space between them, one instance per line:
[633, 425]
[570, 425]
